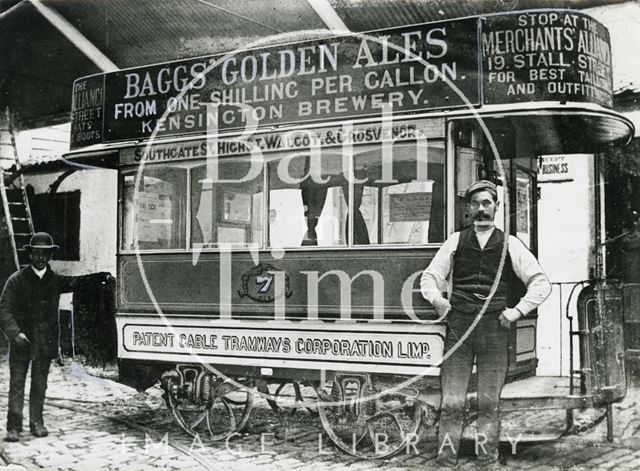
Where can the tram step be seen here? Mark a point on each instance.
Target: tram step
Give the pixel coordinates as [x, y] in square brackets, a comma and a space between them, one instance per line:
[523, 434]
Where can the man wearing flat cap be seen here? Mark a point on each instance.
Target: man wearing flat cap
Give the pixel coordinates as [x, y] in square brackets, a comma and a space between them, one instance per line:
[29, 319]
[469, 264]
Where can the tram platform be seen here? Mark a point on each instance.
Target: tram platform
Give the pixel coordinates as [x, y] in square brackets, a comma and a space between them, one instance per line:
[542, 408]
[537, 386]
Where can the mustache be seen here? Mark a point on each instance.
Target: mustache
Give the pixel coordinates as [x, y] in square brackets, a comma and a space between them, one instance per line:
[482, 217]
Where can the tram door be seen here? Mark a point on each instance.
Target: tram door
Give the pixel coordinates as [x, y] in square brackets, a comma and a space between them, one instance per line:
[513, 170]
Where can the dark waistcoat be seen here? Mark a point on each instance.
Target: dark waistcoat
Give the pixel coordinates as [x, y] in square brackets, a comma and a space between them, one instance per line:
[475, 270]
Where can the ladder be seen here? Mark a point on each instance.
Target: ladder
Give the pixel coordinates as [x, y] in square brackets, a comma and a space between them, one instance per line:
[15, 204]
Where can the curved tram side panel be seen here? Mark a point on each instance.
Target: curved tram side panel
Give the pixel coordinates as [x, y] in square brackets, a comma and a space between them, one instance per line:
[292, 250]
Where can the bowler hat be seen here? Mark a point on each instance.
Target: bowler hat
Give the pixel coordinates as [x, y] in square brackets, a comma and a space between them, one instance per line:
[481, 185]
[41, 240]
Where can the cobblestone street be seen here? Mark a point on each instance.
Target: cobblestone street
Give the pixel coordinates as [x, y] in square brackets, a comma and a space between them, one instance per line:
[98, 424]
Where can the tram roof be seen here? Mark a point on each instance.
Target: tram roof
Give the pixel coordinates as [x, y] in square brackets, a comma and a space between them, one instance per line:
[43, 39]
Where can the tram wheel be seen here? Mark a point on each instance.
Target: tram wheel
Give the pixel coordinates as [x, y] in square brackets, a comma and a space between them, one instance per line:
[223, 415]
[367, 421]
[279, 396]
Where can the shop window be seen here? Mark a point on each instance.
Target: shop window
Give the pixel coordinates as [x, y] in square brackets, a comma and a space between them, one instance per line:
[157, 218]
[228, 209]
[59, 215]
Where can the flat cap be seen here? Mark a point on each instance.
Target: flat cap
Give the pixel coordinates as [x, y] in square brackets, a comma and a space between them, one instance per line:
[481, 185]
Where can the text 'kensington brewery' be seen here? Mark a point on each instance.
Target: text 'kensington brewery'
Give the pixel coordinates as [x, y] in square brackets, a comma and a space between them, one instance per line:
[537, 56]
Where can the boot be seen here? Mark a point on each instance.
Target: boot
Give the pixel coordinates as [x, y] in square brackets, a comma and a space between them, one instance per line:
[12, 436]
[38, 430]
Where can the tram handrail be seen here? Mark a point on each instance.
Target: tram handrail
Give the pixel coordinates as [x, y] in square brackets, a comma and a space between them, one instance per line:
[569, 317]
[566, 307]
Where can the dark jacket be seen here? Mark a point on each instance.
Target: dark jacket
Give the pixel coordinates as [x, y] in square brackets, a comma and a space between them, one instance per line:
[30, 305]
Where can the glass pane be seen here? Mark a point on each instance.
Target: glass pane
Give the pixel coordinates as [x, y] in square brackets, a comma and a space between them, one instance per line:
[157, 219]
[469, 166]
[500, 216]
[523, 207]
[370, 210]
[404, 202]
[305, 209]
[229, 209]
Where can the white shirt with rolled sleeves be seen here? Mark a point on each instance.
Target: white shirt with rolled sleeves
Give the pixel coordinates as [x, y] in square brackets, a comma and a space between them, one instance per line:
[435, 278]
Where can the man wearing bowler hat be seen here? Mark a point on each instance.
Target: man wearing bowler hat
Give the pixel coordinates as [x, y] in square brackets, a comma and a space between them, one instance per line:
[469, 263]
[29, 319]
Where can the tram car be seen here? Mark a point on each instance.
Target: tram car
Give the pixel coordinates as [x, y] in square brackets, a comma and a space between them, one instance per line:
[278, 204]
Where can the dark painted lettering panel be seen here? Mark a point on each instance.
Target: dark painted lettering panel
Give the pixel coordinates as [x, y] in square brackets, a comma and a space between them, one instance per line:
[87, 111]
[546, 56]
[551, 55]
[409, 69]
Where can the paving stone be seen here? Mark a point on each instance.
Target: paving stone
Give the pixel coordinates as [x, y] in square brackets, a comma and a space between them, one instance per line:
[584, 455]
[263, 459]
[287, 461]
[56, 461]
[633, 465]
[129, 467]
[364, 465]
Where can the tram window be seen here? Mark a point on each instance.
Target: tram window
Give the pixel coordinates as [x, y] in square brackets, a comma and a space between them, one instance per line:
[307, 209]
[229, 211]
[524, 196]
[158, 218]
[406, 207]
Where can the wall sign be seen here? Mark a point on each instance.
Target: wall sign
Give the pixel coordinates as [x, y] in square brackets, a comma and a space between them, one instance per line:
[554, 168]
[87, 112]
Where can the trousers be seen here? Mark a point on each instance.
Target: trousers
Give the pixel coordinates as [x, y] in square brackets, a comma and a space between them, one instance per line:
[488, 343]
[18, 373]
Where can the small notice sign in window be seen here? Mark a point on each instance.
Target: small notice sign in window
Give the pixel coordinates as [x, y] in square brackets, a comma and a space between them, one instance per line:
[406, 207]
